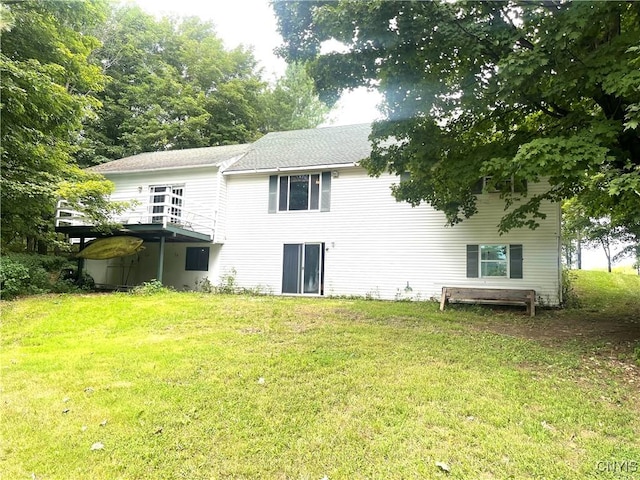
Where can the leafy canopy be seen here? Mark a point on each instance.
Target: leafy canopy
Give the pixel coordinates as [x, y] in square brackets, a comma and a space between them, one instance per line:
[171, 84]
[535, 90]
[46, 91]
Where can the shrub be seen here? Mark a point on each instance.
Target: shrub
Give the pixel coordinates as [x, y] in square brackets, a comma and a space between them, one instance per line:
[152, 287]
[204, 286]
[228, 282]
[14, 278]
[569, 298]
[29, 274]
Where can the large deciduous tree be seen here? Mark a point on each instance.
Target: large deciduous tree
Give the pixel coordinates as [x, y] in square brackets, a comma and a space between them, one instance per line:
[292, 103]
[47, 90]
[172, 85]
[536, 90]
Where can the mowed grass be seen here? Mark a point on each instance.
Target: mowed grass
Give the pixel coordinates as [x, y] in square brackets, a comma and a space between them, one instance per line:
[195, 386]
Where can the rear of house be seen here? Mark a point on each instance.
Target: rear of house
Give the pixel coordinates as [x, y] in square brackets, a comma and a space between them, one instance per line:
[305, 219]
[295, 214]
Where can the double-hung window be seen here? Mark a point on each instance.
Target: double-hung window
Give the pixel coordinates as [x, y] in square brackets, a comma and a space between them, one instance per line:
[300, 192]
[494, 261]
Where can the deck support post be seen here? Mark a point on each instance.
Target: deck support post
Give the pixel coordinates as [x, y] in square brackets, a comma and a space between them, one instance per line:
[80, 263]
[161, 260]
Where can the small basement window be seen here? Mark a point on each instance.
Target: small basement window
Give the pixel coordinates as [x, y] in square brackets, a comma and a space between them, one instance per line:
[197, 259]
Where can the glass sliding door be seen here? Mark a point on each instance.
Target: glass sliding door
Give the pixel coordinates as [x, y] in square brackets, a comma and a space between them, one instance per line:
[302, 268]
[291, 268]
[311, 270]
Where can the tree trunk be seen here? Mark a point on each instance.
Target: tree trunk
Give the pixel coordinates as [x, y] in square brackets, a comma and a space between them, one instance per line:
[579, 252]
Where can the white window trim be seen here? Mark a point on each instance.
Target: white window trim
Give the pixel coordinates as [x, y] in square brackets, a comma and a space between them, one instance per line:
[481, 261]
[308, 209]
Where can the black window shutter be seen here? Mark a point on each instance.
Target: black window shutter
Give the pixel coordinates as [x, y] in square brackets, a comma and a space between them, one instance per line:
[472, 261]
[515, 261]
[326, 192]
[273, 193]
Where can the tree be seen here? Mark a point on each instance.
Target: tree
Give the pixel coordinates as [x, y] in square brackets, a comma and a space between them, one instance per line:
[579, 229]
[574, 223]
[529, 90]
[293, 103]
[172, 85]
[47, 90]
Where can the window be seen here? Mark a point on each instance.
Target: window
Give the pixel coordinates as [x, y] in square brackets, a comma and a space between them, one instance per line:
[197, 259]
[300, 192]
[494, 261]
[513, 184]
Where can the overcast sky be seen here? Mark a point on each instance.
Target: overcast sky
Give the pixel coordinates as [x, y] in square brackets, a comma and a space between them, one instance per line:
[252, 23]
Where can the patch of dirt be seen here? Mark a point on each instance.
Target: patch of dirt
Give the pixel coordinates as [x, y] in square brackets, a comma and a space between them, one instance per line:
[563, 328]
[607, 341]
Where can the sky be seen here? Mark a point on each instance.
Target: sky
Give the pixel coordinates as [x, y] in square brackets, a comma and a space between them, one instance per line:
[252, 23]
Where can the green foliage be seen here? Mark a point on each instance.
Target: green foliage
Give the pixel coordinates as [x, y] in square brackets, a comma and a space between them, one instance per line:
[152, 287]
[14, 278]
[293, 103]
[47, 90]
[29, 274]
[228, 283]
[579, 228]
[204, 285]
[173, 85]
[569, 298]
[541, 91]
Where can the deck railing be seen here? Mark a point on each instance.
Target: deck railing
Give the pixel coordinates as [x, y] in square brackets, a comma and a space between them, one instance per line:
[174, 210]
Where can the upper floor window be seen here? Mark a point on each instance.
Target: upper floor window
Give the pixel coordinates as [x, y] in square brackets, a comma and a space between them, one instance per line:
[487, 185]
[300, 192]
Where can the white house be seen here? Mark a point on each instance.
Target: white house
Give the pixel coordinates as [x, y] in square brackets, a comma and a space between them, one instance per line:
[294, 213]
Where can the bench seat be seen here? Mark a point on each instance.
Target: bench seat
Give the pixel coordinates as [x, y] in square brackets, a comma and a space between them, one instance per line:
[491, 296]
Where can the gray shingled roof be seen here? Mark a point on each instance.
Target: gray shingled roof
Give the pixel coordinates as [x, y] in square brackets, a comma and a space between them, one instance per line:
[191, 157]
[307, 148]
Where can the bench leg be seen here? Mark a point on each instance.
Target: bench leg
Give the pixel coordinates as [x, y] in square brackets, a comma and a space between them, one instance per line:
[443, 299]
[531, 305]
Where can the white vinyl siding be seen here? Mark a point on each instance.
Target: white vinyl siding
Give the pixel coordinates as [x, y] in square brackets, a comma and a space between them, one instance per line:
[379, 247]
[200, 189]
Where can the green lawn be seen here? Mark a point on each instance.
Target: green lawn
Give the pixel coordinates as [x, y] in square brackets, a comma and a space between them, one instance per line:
[196, 386]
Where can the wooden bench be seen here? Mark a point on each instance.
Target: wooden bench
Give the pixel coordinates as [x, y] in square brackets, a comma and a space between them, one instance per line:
[495, 296]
